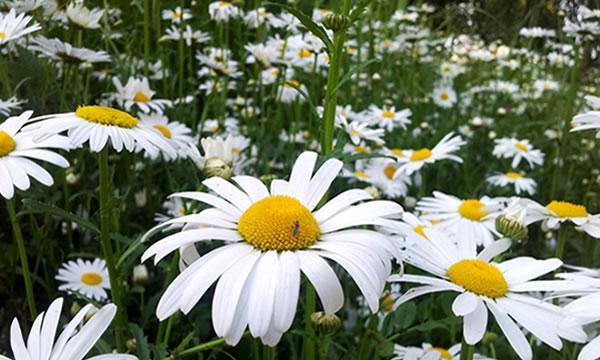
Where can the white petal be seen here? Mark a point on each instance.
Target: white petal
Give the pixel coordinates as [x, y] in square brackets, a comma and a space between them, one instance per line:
[321, 182]
[591, 351]
[229, 192]
[324, 280]
[16, 342]
[495, 248]
[513, 334]
[475, 323]
[288, 287]
[255, 189]
[465, 303]
[301, 174]
[262, 294]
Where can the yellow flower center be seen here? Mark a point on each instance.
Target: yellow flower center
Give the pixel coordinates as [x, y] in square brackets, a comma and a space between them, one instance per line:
[444, 96]
[419, 230]
[7, 143]
[292, 84]
[471, 209]
[522, 147]
[140, 97]
[387, 114]
[91, 279]
[513, 175]
[444, 354]
[106, 116]
[163, 130]
[354, 132]
[2, 35]
[478, 277]
[279, 223]
[398, 152]
[387, 304]
[361, 174]
[389, 171]
[360, 149]
[304, 53]
[566, 209]
[421, 154]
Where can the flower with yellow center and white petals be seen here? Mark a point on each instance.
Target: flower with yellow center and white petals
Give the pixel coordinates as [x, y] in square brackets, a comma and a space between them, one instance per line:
[520, 183]
[104, 126]
[223, 11]
[381, 172]
[429, 352]
[176, 15]
[82, 17]
[388, 118]
[175, 133]
[89, 278]
[63, 52]
[484, 285]
[74, 342]
[13, 26]
[137, 92]
[473, 219]
[413, 160]
[444, 97]
[18, 151]
[557, 212]
[518, 150]
[273, 236]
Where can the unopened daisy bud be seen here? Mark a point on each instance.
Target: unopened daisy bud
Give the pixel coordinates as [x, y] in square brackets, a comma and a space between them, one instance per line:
[336, 22]
[215, 166]
[75, 307]
[373, 191]
[376, 77]
[325, 324]
[131, 345]
[140, 274]
[140, 198]
[512, 222]
[72, 178]
[410, 202]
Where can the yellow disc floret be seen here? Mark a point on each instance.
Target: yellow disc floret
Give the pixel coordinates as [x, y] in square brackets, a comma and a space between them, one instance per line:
[419, 230]
[2, 35]
[163, 130]
[91, 278]
[522, 147]
[444, 354]
[140, 97]
[421, 154]
[279, 223]
[471, 209]
[389, 171]
[479, 277]
[7, 143]
[513, 175]
[106, 116]
[566, 209]
[387, 114]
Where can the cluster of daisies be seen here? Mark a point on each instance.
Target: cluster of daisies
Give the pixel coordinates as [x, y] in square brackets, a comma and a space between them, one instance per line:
[267, 234]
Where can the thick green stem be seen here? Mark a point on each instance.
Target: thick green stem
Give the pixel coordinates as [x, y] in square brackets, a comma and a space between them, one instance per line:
[561, 241]
[199, 348]
[466, 351]
[10, 204]
[107, 249]
[146, 36]
[308, 347]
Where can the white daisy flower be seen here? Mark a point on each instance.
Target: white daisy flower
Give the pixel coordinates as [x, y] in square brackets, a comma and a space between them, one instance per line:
[413, 160]
[472, 219]
[188, 34]
[137, 92]
[589, 120]
[275, 235]
[444, 97]
[584, 311]
[259, 16]
[411, 227]
[485, 285]
[13, 26]
[228, 150]
[521, 183]
[176, 133]
[18, 149]
[518, 150]
[429, 352]
[177, 15]
[537, 32]
[388, 118]
[380, 173]
[89, 278]
[73, 343]
[60, 51]
[101, 125]
[24, 6]
[223, 11]
[359, 131]
[83, 17]
[557, 212]
[287, 92]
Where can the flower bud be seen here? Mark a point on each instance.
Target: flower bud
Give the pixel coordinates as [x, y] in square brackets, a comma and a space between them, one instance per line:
[336, 22]
[215, 166]
[140, 274]
[325, 324]
[511, 228]
[131, 345]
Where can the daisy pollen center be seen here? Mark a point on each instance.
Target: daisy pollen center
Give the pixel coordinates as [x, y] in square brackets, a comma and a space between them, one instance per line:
[7, 143]
[2, 35]
[106, 116]
[443, 353]
[471, 209]
[421, 154]
[91, 278]
[163, 130]
[478, 277]
[279, 223]
[567, 209]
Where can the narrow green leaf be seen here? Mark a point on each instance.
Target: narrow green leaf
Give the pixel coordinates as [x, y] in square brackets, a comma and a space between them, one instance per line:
[355, 69]
[358, 10]
[37, 207]
[143, 350]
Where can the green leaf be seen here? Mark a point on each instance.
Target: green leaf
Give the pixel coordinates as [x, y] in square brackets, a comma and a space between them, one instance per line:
[386, 349]
[358, 10]
[37, 207]
[313, 27]
[130, 250]
[141, 342]
[355, 69]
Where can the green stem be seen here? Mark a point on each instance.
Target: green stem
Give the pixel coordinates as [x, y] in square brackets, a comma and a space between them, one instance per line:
[146, 36]
[198, 348]
[333, 78]
[561, 241]
[107, 249]
[308, 347]
[10, 204]
[466, 351]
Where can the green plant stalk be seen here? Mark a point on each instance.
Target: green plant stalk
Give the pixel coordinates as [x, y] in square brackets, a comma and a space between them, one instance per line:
[561, 241]
[107, 248]
[308, 346]
[333, 78]
[199, 348]
[146, 36]
[466, 351]
[10, 204]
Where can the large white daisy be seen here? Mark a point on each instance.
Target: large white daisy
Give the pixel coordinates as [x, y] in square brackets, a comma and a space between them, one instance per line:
[100, 125]
[17, 152]
[485, 285]
[273, 236]
[73, 343]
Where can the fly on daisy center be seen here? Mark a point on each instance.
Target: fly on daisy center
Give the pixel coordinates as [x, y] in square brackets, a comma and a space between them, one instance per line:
[90, 278]
[566, 209]
[472, 209]
[7, 143]
[279, 223]
[479, 277]
[106, 116]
